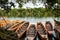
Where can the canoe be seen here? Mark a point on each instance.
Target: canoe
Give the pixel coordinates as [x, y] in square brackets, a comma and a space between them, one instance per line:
[41, 31]
[22, 29]
[31, 32]
[15, 26]
[57, 33]
[3, 23]
[49, 27]
[56, 23]
[57, 29]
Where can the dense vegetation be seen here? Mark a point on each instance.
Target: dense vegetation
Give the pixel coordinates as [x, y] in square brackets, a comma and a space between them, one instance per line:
[35, 12]
[50, 10]
[8, 35]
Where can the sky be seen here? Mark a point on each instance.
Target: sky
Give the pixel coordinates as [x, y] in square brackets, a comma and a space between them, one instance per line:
[29, 4]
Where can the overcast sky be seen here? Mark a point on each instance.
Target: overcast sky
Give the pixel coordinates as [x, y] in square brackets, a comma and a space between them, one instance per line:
[29, 4]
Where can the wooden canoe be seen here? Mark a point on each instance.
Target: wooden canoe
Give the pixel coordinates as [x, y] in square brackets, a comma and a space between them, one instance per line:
[57, 33]
[4, 23]
[56, 23]
[57, 29]
[49, 29]
[41, 31]
[15, 26]
[31, 32]
[22, 29]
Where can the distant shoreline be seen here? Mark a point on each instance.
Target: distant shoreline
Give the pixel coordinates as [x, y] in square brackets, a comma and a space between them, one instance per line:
[33, 12]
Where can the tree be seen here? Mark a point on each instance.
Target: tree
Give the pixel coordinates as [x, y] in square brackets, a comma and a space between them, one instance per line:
[19, 2]
[5, 5]
[50, 3]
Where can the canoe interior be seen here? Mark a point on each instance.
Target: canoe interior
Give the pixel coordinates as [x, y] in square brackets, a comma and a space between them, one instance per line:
[16, 25]
[23, 29]
[57, 33]
[57, 23]
[41, 29]
[57, 29]
[49, 26]
[31, 32]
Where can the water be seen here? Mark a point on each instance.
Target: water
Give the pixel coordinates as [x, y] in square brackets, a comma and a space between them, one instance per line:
[34, 20]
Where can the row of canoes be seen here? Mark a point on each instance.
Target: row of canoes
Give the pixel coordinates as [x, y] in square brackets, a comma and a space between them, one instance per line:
[32, 30]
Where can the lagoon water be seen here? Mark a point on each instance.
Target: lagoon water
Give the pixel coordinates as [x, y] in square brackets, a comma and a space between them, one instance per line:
[33, 20]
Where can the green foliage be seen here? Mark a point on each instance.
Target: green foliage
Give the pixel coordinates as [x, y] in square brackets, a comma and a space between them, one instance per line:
[3, 1]
[5, 6]
[8, 35]
[20, 5]
[19, 2]
[58, 1]
[35, 12]
[51, 3]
